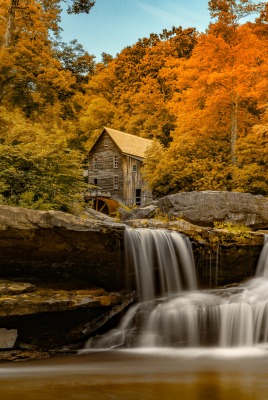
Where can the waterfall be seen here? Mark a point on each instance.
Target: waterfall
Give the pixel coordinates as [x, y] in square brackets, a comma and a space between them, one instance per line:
[160, 258]
[262, 268]
[172, 312]
[244, 317]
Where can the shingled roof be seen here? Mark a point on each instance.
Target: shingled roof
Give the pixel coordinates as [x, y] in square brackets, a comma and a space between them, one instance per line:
[129, 144]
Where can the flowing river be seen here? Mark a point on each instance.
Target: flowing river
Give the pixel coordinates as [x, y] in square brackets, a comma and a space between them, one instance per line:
[177, 342]
[203, 374]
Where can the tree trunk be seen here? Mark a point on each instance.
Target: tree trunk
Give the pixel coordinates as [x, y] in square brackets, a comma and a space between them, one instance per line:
[2, 88]
[11, 22]
[8, 38]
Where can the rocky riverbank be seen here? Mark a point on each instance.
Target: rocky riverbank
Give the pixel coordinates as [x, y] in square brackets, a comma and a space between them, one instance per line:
[36, 320]
[63, 278]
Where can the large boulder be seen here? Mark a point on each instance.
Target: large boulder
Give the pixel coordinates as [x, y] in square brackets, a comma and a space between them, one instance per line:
[205, 208]
[145, 212]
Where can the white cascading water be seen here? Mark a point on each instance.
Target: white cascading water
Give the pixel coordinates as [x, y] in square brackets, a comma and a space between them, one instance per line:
[162, 260]
[244, 317]
[173, 313]
[262, 268]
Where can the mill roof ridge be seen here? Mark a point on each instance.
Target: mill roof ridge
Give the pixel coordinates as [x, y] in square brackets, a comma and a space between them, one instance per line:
[129, 144]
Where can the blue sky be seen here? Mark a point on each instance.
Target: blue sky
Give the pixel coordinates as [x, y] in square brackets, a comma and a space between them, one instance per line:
[112, 25]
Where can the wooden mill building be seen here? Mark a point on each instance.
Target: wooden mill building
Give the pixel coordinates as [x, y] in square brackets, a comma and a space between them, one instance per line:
[114, 168]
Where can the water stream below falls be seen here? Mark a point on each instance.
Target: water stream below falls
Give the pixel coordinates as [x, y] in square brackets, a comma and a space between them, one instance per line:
[177, 342]
[172, 312]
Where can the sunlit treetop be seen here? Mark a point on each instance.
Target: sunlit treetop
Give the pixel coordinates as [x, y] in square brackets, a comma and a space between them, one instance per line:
[79, 6]
[231, 11]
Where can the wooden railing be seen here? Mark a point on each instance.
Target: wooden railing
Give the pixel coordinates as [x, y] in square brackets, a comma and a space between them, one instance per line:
[94, 193]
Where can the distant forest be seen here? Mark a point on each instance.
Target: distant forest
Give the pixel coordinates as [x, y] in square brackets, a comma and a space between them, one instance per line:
[202, 97]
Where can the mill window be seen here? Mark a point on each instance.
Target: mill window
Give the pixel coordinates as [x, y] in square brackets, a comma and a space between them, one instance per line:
[95, 163]
[116, 162]
[116, 181]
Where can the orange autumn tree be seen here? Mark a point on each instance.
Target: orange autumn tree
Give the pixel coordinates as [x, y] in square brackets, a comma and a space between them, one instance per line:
[32, 76]
[27, 62]
[218, 97]
[149, 97]
[228, 14]
[132, 89]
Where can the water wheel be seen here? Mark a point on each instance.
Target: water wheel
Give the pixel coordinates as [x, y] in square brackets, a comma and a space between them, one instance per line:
[106, 206]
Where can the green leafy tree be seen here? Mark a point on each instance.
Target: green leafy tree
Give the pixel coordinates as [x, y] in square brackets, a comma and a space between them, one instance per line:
[37, 168]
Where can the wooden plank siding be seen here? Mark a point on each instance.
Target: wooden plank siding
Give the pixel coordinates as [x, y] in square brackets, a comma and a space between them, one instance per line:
[106, 171]
[130, 182]
[133, 179]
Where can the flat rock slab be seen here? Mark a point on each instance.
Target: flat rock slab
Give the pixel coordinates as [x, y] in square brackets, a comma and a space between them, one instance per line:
[24, 218]
[13, 288]
[43, 300]
[50, 318]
